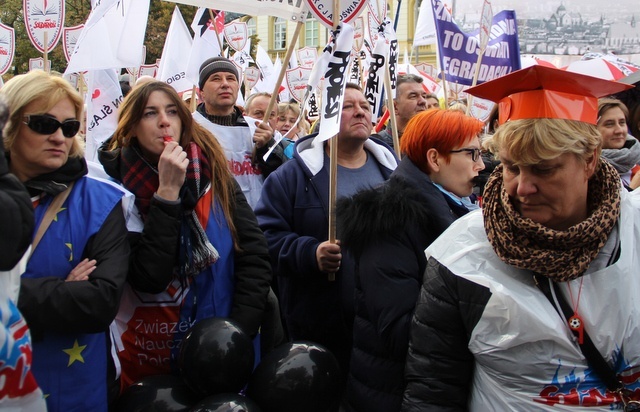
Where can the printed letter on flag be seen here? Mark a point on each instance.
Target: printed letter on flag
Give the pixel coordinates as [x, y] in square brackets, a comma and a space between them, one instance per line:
[175, 55]
[102, 102]
[43, 16]
[459, 50]
[335, 79]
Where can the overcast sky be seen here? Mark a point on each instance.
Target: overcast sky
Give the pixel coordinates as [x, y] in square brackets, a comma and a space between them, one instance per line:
[544, 8]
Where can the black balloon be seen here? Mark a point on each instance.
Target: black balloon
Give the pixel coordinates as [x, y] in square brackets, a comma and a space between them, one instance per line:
[226, 402]
[162, 393]
[216, 356]
[294, 377]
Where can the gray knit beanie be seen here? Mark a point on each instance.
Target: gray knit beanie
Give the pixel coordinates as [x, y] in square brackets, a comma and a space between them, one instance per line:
[215, 65]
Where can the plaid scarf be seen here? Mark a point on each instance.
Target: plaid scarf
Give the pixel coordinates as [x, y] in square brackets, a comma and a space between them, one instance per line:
[559, 255]
[141, 178]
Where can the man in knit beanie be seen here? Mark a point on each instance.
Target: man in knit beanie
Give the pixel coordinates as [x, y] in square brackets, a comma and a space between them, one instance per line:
[219, 83]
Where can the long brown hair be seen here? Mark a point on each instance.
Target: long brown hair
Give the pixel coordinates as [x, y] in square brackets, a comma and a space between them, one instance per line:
[130, 113]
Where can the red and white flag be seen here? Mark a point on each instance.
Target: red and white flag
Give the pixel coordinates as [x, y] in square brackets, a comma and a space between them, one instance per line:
[43, 16]
[307, 56]
[70, 37]
[236, 34]
[205, 44]
[7, 47]
[38, 64]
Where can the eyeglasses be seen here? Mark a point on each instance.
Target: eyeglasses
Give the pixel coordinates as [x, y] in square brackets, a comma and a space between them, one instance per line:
[475, 153]
[43, 124]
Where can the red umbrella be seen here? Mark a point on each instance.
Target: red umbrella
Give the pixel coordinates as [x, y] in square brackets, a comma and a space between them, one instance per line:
[528, 61]
[602, 68]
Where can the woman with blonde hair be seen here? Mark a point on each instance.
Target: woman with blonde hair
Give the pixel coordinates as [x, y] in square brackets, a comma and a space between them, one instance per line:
[288, 114]
[201, 253]
[70, 291]
[532, 304]
[387, 230]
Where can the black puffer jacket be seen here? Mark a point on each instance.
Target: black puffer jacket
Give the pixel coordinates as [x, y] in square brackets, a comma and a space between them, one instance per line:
[445, 303]
[16, 216]
[388, 230]
[16, 213]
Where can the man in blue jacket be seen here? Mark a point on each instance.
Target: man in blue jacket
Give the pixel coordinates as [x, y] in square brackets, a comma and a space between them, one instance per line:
[293, 212]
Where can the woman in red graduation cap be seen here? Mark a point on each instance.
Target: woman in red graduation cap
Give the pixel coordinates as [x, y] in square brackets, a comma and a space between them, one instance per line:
[532, 305]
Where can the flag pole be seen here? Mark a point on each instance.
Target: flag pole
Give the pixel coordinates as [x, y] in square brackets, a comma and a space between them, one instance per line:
[392, 111]
[215, 28]
[333, 161]
[283, 70]
[276, 87]
[193, 103]
[45, 55]
[387, 87]
[485, 29]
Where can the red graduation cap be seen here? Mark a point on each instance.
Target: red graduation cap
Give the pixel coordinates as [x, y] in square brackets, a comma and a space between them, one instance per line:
[545, 92]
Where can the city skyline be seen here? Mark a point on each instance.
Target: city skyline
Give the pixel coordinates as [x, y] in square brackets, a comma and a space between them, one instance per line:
[589, 9]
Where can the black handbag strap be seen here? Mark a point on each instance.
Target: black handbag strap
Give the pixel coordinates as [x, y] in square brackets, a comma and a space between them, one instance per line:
[589, 350]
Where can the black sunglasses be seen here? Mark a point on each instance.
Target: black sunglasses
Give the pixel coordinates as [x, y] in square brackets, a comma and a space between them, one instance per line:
[475, 153]
[44, 124]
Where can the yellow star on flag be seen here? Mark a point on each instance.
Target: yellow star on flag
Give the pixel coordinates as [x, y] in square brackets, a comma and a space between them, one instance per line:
[75, 353]
[70, 246]
[55, 218]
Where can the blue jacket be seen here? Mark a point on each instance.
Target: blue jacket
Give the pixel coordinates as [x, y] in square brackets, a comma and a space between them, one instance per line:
[71, 318]
[293, 212]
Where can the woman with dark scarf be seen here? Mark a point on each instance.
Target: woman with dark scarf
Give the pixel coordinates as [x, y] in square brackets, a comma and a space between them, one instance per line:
[618, 147]
[512, 297]
[387, 229]
[200, 253]
[71, 288]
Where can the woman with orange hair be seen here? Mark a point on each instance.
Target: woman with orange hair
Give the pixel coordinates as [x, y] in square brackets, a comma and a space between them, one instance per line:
[387, 230]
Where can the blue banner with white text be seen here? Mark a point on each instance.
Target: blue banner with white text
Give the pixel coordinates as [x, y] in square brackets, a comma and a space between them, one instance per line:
[459, 50]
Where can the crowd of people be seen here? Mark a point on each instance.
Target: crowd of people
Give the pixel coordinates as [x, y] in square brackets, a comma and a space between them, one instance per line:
[471, 271]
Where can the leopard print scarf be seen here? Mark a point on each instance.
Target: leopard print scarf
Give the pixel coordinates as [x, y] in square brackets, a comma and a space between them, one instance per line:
[558, 255]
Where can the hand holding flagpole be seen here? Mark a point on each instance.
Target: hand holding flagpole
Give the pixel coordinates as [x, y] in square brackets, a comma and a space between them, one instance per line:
[333, 162]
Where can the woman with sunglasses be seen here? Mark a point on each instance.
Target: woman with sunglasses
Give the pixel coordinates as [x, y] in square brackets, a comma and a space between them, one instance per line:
[387, 230]
[200, 253]
[71, 288]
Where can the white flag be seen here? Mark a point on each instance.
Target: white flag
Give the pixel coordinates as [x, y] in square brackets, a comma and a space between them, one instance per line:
[382, 58]
[264, 63]
[205, 44]
[425, 26]
[112, 36]
[295, 10]
[242, 58]
[283, 92]
[103, 99]
[175, 55]
[335, 79]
